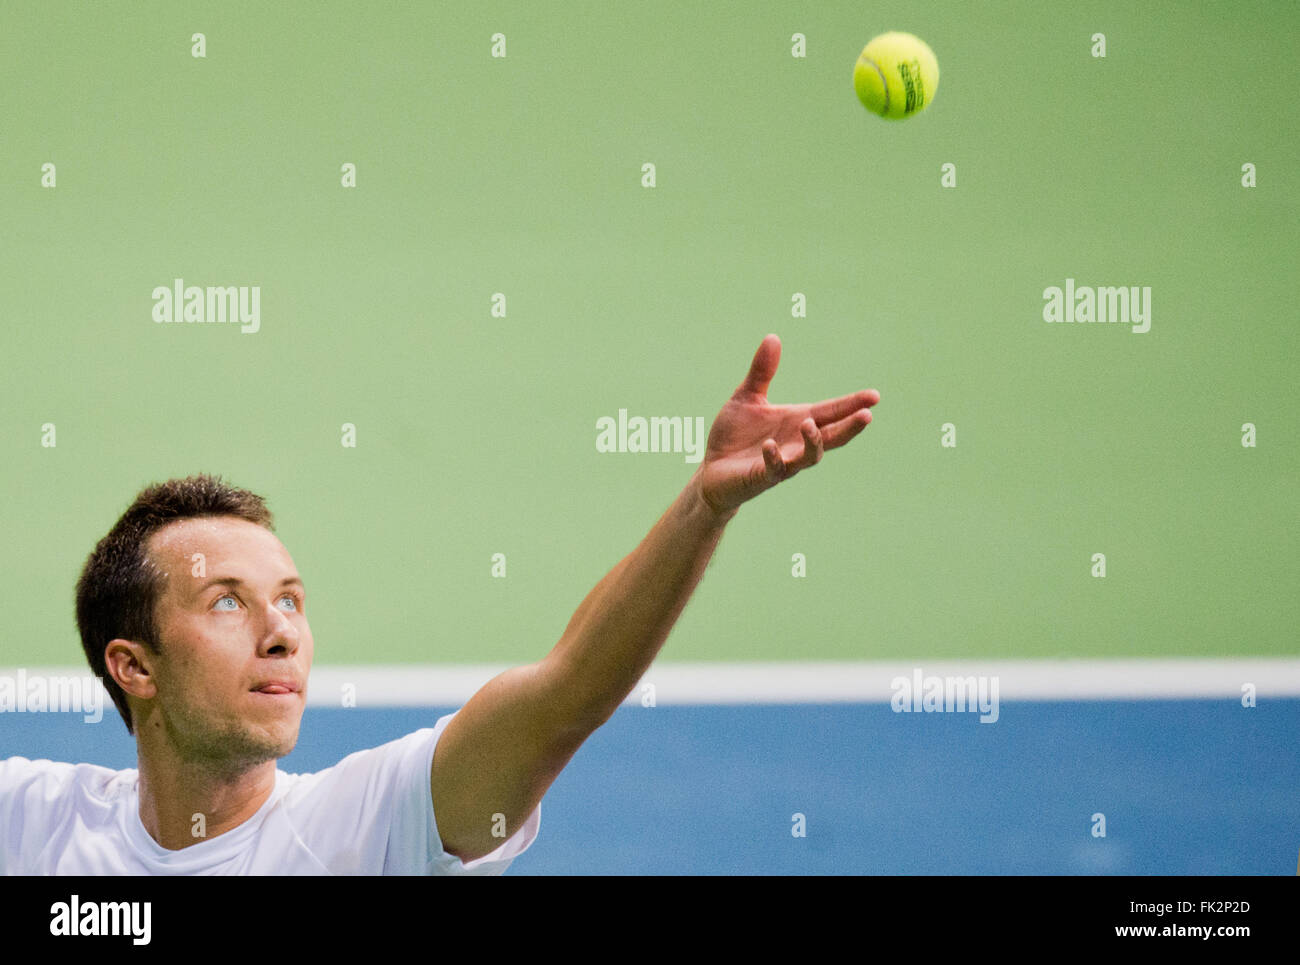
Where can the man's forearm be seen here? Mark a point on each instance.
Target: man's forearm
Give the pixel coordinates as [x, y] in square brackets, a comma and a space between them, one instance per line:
[620, 627]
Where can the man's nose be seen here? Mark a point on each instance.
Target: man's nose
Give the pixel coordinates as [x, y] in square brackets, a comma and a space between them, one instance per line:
[282, 636]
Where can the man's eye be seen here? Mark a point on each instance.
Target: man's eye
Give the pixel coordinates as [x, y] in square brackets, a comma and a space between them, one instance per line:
[235, 603]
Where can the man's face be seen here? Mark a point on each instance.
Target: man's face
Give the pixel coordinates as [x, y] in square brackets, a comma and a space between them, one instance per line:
[231, 677]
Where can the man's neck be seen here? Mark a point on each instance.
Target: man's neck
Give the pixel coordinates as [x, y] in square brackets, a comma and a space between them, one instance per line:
[184, 803]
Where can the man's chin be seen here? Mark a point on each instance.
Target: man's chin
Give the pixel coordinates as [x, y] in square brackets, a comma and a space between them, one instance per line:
[247, 749]
[278, 735]
[279, 744]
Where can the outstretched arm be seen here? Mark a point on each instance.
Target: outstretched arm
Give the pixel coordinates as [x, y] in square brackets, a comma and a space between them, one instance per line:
[511, 740]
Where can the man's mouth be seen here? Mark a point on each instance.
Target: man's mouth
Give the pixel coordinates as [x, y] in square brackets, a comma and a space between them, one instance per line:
[276, 688]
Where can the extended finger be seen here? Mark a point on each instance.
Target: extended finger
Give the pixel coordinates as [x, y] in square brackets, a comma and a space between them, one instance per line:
[832, 410]
[838, 433]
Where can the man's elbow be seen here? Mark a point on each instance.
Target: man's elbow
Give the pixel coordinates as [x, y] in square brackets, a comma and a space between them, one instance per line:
[577, 706]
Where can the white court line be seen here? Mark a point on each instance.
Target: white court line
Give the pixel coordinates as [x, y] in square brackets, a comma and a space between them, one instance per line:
[424, 685]
[825, 682]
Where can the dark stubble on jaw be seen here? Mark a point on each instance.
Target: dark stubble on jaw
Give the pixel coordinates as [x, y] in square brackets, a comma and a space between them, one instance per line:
[226, 749]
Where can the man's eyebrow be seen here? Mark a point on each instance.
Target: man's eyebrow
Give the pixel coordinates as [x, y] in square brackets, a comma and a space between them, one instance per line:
[236, 581]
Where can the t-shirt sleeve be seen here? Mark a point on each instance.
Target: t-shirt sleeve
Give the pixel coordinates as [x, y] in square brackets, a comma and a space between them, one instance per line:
[372, 813]
[414, 816]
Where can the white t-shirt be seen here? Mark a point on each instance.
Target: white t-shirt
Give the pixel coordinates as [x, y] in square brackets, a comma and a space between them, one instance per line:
[369, 814]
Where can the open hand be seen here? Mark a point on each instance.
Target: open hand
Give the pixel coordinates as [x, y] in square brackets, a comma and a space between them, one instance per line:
[752, 445]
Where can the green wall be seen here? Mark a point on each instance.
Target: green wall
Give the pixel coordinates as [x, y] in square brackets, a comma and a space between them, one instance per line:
[523, 175]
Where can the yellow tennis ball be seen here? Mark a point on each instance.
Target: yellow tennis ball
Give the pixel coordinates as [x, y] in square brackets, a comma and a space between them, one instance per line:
[896, 75]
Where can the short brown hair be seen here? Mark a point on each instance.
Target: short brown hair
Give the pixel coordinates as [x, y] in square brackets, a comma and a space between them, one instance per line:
[119, 584]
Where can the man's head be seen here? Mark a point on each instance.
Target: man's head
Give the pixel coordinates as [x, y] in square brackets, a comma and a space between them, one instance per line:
[191, 611]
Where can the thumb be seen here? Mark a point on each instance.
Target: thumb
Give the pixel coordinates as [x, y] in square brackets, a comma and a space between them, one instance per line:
[763, 368]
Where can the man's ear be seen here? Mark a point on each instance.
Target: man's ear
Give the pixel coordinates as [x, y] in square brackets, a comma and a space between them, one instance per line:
[130, 665]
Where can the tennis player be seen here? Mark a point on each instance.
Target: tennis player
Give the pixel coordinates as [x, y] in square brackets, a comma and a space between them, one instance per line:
[194, 615]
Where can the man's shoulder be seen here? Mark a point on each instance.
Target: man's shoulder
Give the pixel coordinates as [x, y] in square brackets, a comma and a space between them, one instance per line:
[55, 779]
[379, 762]
[43, 803]
[371, 813]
